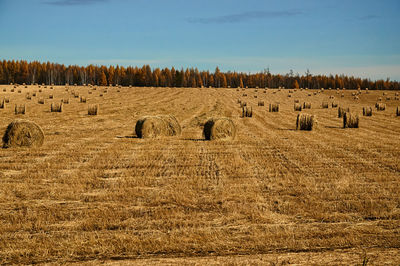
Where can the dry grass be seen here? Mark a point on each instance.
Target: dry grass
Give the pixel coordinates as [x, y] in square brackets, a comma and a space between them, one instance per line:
[94, 193]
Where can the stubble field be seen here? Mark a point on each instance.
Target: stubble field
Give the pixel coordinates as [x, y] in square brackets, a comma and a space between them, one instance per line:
[96, 193]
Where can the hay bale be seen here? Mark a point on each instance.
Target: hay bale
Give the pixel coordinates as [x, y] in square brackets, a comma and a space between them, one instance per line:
[23, 133]
[274, 107]
[380, 106]
[342, 110]
[51, 96]
[297, 107]
[20, 109]
[219, 129]
[305, 122]
[350, 120]
[157, 126]
[334, 105]
[367, 111]
[41, 101]
[93, 109]
[65, 101]
[247, 112]
[56, 107]
[261, 103]
[306, 105]
[325, 105]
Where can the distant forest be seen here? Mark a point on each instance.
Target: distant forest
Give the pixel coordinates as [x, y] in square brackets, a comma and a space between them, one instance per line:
[58, 74]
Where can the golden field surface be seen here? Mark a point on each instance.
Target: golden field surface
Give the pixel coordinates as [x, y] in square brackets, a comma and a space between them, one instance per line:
[96, 193]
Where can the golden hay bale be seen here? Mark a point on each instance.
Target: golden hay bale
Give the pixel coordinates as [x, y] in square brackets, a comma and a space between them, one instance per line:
[305, 122]
[306, 105]
[93, 109]
[274, 107]
[342, 110]
[247, 112]
[56, 107]
[23, 133]
[380, 106]
[297, 107]
[350, 120]
[65, 101]
[367, 111]
[21, 109]
[219, 129]
[157, 126]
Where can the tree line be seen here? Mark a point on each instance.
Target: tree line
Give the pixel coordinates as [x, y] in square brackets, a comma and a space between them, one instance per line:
[52, 73]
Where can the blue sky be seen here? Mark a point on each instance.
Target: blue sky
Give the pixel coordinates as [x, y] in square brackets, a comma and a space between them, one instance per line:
[359, 38]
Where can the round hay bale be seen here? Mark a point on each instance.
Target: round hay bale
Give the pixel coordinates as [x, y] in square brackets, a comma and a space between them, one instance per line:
[350, 120]
[305, 122]
[23, 133]
[219, 128]
[157, 126]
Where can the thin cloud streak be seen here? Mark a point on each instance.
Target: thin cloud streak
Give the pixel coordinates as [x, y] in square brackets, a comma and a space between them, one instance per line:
[74, 2]
[245, 16]
[369, 17]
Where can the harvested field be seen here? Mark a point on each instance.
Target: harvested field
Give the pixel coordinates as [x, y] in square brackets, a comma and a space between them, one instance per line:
[94, 192]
